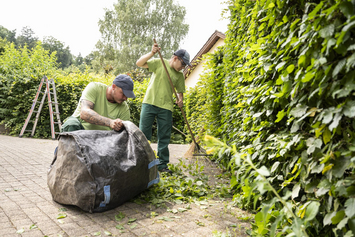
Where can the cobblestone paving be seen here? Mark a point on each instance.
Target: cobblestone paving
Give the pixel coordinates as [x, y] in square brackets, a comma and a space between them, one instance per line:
[27, 208]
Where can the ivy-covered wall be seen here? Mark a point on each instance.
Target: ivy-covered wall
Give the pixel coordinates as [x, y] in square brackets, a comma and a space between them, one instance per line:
[281, 96]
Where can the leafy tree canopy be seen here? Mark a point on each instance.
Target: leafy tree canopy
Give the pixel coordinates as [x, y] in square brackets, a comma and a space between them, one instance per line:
[27, 37]
[7, 34]
[64, 57]
[128, 30]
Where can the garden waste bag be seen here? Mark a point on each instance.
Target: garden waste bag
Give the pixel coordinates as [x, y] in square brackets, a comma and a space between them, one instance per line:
[99, 170]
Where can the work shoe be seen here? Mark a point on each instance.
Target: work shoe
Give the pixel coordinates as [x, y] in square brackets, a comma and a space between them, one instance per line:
[166, 170]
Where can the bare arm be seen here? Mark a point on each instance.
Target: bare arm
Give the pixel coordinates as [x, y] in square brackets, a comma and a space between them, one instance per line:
[88, 114]
[142, 61]
[180, 99]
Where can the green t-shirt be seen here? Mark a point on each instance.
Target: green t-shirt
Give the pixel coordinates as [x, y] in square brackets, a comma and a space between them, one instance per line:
[96, 93]
[159, 91]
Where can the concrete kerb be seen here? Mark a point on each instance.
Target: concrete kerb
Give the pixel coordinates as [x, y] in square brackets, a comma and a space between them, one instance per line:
[27, 208]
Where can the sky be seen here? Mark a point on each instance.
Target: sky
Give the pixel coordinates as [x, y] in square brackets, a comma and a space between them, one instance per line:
[75, 22]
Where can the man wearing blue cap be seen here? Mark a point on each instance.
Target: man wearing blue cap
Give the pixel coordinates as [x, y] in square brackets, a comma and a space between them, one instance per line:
[102, 107]
[158, 101]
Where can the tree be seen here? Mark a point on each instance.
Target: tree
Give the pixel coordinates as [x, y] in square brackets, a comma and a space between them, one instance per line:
[27, 37]
[64, 57]
[10, 36]
[128, 30]
[78, 60]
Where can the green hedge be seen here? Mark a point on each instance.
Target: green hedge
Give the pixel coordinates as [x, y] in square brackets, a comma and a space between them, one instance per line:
[21, 71]
[281, 92]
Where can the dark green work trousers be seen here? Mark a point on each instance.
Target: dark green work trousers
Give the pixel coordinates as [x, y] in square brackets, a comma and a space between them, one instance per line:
[164, 121]
[71, 124]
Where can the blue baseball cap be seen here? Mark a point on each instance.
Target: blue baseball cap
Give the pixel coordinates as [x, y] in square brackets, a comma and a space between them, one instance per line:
[125, 82]
[184, 55]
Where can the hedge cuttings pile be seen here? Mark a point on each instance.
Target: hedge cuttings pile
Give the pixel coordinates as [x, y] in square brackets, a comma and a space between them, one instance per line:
[280, 94]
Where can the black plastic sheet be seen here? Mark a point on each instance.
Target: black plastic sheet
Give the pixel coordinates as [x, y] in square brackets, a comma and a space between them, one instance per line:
[100, 170]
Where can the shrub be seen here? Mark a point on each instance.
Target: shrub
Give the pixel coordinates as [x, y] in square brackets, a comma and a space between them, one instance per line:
[21, 71]
[284, 105]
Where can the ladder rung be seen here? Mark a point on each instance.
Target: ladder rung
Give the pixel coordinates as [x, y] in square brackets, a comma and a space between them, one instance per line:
[57, 132]
[57, 122]
[35, 111]
[55, 103]
[56, 113]
[28, 130]
[37, 101]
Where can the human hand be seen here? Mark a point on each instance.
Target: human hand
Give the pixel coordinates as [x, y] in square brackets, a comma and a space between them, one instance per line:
[180, 103]
[155, 48]
[116, 124]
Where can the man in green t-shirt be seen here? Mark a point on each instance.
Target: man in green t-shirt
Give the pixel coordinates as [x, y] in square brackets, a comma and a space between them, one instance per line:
[158, 101]
[102, 107]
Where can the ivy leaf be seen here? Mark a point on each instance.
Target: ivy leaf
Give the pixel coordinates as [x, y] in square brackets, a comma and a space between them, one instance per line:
[301, 60]
[290, 68]
[309, 76]
[61, 215]
[120, 227]
[312, 144]
[298, 111]
[327, 31]
[327, 115]
[107, 233]
[280, 66]
[120, 216]
[182, 209]
[347, 9]
[320, 192]
[339, 67]
[345, 30]
[295, 127]
[349, 109]
[328, 218]
[33, 227]
[340, 165]
[311, 211]
[295, 191]
[263, 171]
[330, 44]
[350, 207]
[335, 122]
[338, 217]
[274, 166]
[312, 14]
[271, 5]
[327, 168]
[342, 223]
[326, 136]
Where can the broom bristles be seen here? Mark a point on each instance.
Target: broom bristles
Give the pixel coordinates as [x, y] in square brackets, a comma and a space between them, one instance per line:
[192, 150]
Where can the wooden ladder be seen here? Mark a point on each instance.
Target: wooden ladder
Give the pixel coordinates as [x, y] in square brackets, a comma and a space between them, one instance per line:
[47, 93]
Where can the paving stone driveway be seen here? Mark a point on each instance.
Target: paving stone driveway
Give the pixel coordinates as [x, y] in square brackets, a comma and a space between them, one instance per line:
[27, 208]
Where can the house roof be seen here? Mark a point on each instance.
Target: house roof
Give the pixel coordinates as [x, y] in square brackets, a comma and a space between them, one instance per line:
[205, 49]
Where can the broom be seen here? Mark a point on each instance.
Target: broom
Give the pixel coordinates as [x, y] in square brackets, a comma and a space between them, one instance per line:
[195, 148]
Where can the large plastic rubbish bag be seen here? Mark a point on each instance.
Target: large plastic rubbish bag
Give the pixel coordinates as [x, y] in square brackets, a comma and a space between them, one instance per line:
[100, 170]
